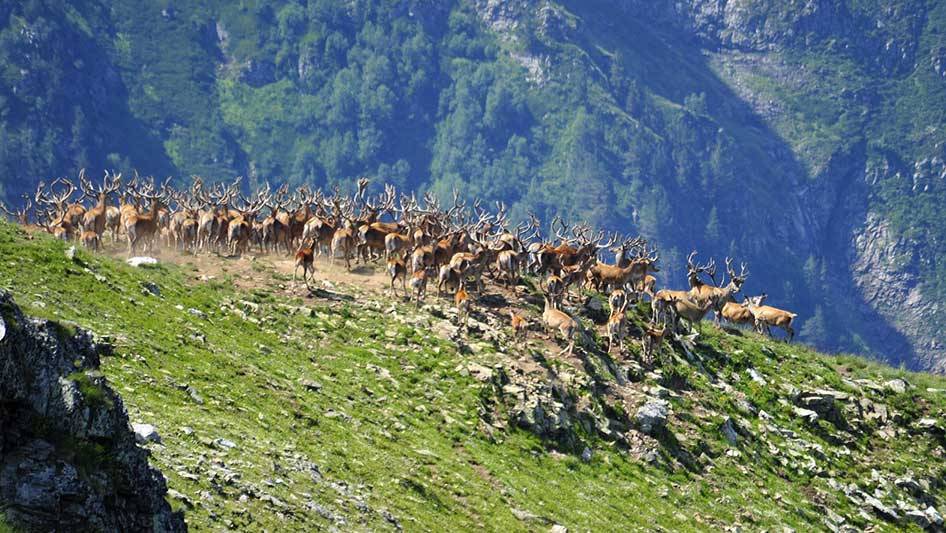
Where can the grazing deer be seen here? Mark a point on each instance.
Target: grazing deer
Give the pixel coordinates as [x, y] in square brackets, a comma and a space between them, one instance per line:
[519, 325]
[305, 258]
[419, 285]
[462, 301]
[558, 320]
[617, 328]
[766, 316]
[650, 342]
[397, 269]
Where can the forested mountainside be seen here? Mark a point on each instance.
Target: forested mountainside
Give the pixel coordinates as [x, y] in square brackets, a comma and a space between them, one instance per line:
[802, 137]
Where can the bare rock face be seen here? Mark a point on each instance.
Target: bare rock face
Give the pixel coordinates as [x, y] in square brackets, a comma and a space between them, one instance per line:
[68, 459]
[885, 271]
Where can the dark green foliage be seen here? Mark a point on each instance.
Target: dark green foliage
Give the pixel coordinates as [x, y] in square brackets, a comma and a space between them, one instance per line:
[627, 125]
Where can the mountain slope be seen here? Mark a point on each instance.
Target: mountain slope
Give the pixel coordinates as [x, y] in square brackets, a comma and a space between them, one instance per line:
[352, 408]
[804, 139]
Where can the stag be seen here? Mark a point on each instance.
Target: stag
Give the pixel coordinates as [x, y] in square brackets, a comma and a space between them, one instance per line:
[22, 215]
[142, 228]
[95, 219]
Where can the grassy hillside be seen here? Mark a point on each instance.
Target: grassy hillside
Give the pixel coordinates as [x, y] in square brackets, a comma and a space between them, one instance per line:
[355, 409]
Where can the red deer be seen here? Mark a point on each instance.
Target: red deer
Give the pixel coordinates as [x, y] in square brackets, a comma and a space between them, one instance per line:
[558, 320]
[767, 316]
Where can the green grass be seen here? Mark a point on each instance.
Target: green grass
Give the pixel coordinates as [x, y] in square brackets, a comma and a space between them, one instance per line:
[397, 425]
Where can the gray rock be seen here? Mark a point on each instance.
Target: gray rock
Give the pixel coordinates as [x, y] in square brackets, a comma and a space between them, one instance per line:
[898, 385]
[151, 288]
[586, 455]
[919, 518]
[224, 443]
[729, 431]
[910, 485]
[652, 416]
[558, 528]
[523, 515]
[308, 384]
[756, 376]
[807, 414]
[192, 392]
[71, 253]
[145, 433]
[37, 385]
[935, 517]
[879, 508]
[141, 261]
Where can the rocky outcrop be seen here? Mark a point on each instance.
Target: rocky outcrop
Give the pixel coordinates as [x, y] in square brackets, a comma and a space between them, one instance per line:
[68, 459]
[885, 269]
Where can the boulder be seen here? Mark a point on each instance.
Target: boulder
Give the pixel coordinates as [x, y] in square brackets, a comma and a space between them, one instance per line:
[145, 433]
[897, 386]
[652, 416]
[729, 431]
[141, 261]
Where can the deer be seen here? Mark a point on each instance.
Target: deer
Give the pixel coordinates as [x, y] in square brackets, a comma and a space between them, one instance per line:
[720, 296]
[142, 228]
[462, 301]
[22, 215]
[617, 298]
[419, 285]
[94, 219]
[507, 266]
[59, 224]
[274, 228]
[680, 299]
[298, 218]
[617, 328]
[74, 211]
[738, 313]
[700, 292]
[397, 269]
[56, 226]
[691, 311]
[241, 226]
[766, 316]
[520, 327]
[305, 259]
[605, 277]
[651, 340]
[555, 319]
[90, 239]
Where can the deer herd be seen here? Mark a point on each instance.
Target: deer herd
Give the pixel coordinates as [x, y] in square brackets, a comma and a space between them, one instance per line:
[420, 242]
